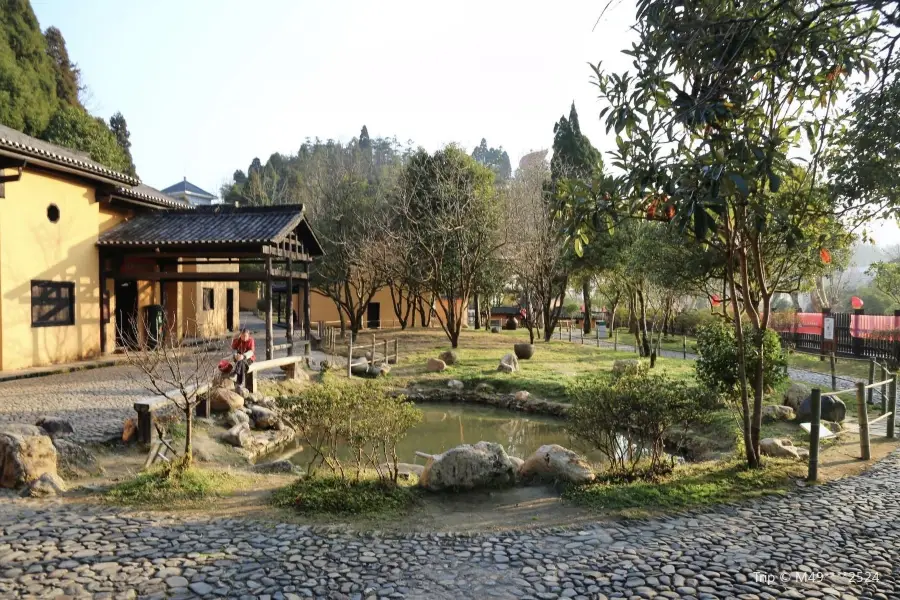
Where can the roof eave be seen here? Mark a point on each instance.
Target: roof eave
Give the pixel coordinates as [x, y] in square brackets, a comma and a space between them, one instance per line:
[53, 165]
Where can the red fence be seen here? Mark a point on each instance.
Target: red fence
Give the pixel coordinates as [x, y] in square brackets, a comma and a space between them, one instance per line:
[857, 334]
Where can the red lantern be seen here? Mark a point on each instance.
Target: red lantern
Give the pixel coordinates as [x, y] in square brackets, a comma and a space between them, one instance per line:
[826, 255]
[856, 302]
[715, 300]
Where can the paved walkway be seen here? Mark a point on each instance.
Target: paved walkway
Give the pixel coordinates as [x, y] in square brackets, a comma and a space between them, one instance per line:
[835, 541]
[95, 401]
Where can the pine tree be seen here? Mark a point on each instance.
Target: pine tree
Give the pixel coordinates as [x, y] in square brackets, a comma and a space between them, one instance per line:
[573, 153]
[120, 129]
[68, 76]
[364, 142]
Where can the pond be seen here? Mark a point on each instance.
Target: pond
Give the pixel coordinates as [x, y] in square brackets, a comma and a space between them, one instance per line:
[445, 426]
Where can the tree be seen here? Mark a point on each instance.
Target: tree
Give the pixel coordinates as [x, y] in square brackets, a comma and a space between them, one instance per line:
[496, 159]
[120, 129]
[573, 154]
[74, 128]
[447, 210]
[28, 95]
[68, 76]
[886, 278]
[707, 128]
[364, 142]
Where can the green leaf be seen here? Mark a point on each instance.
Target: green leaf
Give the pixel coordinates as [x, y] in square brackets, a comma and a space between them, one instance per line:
[774, 182]
[740, 183]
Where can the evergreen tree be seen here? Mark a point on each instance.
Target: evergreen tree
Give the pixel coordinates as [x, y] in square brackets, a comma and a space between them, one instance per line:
[73, 128]
[120, 129]
[573, 154]
[364, 142]
[68, 76]
[495, 158]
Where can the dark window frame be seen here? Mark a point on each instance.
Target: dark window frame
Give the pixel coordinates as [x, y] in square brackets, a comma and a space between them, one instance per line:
[209, 298]
[54, 298]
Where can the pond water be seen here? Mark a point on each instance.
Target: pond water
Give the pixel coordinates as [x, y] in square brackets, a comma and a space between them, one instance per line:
[445, 426]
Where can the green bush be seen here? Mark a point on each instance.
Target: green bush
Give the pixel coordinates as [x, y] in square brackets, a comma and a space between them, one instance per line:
[717, 361]
[333, 495]
[629, 419]
[355, 419]
[690, 321]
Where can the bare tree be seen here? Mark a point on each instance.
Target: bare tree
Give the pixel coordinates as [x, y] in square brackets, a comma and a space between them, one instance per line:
[176, 370]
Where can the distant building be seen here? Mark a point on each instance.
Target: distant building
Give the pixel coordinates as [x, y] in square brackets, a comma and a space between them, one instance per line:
[190, 193]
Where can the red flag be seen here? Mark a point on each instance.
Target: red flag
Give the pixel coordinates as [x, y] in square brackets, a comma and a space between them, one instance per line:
[826, 255]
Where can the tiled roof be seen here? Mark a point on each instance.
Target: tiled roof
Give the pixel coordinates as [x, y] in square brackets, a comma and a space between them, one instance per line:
[188, 188]
[145, 193]
[506, 310]
[24, 146]
[212, 225]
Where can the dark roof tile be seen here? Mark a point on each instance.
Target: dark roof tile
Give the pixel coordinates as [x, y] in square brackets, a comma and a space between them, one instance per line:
[186, 187]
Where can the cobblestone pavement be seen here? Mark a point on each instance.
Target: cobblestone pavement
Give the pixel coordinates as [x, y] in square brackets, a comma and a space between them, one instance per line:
[835, 541]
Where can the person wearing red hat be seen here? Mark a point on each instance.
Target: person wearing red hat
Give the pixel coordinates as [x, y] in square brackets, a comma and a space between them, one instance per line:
[244, 352]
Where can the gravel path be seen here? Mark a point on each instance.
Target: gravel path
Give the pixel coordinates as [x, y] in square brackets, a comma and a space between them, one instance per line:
[835, 541]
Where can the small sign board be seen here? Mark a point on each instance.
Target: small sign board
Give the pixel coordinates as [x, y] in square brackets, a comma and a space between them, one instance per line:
[828, 329]
[824, 432]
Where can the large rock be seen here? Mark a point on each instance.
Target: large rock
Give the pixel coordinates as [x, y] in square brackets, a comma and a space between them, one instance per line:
[553, 462]
[264, 418]
[74, 460]
[833, 409]
[435, 365]
[223, 400]
[522, 396]
[795, 394]
[449, 357]
[466, 467]
[495, 329]
[275, 467]
[26, 453]
[238, 436]
[55, 425]
[508, 364]
[359, 367]
[455, 384]
[771, 413]
[626, 366]
[777, 447]
[46, 485]
[237, 417]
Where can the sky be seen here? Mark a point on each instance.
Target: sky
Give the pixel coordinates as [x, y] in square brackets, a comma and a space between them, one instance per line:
[207, 85]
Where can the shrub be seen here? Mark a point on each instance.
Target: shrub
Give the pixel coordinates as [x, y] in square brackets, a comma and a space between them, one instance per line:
[717, 363]
[627, 420]
[333, 495]
[355, 419]
[690, 321]
[169, 485]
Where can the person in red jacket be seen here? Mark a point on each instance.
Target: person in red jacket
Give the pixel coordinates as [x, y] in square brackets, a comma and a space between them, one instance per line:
[244, 352]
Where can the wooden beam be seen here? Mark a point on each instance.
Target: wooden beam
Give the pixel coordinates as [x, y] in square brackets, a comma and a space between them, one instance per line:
[192, 276]
[306, 311]
[104, 305]
[190, 252]
[290, 307]
[269, 332]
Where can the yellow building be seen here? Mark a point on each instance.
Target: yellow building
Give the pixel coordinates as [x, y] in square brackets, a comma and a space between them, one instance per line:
[71, 228]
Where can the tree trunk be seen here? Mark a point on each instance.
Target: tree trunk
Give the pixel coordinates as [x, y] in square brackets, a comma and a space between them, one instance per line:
[586, 296]
[612, 317]
[188, 436]
[645, 340]
[477, 313]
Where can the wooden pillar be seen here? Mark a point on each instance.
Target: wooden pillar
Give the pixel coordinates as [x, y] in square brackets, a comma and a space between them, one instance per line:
[104, 304]
[862, 417]
[290, 306]
[269, 333]
[816, 406]
[306, 313]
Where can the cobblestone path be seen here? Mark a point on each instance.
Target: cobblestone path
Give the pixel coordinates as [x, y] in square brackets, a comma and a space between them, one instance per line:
[835, 541]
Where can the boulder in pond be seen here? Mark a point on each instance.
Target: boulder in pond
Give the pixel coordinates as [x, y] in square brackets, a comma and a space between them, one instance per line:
[55, 425]
[772, 413]
[450, 357]
[435, 365]
[553, 462]
[223, 400]
[275, 467]
[26, 453]
[522, 396]
[833, 409]
[484, 388]
[238, 436]
[484, 465]
[795, 394]
[455, 384]
[778, 447]
[508, 364]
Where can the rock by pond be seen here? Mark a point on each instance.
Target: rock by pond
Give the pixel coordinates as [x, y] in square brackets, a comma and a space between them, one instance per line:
[465, 467]
[555, 463]
[508, 364]
[26, 453]
[833, 409]
[795, 394]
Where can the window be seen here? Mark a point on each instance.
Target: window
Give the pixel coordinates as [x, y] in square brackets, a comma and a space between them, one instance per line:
[209, 299]
[53, 213]
[52, 303]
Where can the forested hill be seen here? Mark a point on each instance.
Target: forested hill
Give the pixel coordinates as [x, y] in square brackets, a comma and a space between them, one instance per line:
[40, 89]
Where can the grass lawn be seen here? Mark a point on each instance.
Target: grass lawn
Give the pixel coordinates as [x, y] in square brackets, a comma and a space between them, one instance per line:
[166, 487]
[544, 375]
[689, 486]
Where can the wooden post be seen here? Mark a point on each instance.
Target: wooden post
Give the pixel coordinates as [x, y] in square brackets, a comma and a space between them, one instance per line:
[570, 331]
[104, 305]
[373, 348]
[597, 329]
[833, 375]
[871, 390]
[306, 313]
[892, 405]
[816, 406]
[269, 331]
[397, 351]
[884, 389]
[349, 355]
[863, 418]
[684, 346]
[290, 307]
[385, 359]
[616, 340]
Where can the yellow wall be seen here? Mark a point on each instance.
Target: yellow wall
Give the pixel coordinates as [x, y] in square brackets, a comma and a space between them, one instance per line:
[323, 308]
[207, 323]
[248, 300]
[31, 247]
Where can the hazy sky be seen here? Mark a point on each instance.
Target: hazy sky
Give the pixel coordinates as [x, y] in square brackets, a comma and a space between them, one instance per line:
[207, 85]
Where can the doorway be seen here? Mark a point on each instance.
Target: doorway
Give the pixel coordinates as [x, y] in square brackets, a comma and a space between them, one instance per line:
[229, 309]
[373, 315]
[126, 314]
